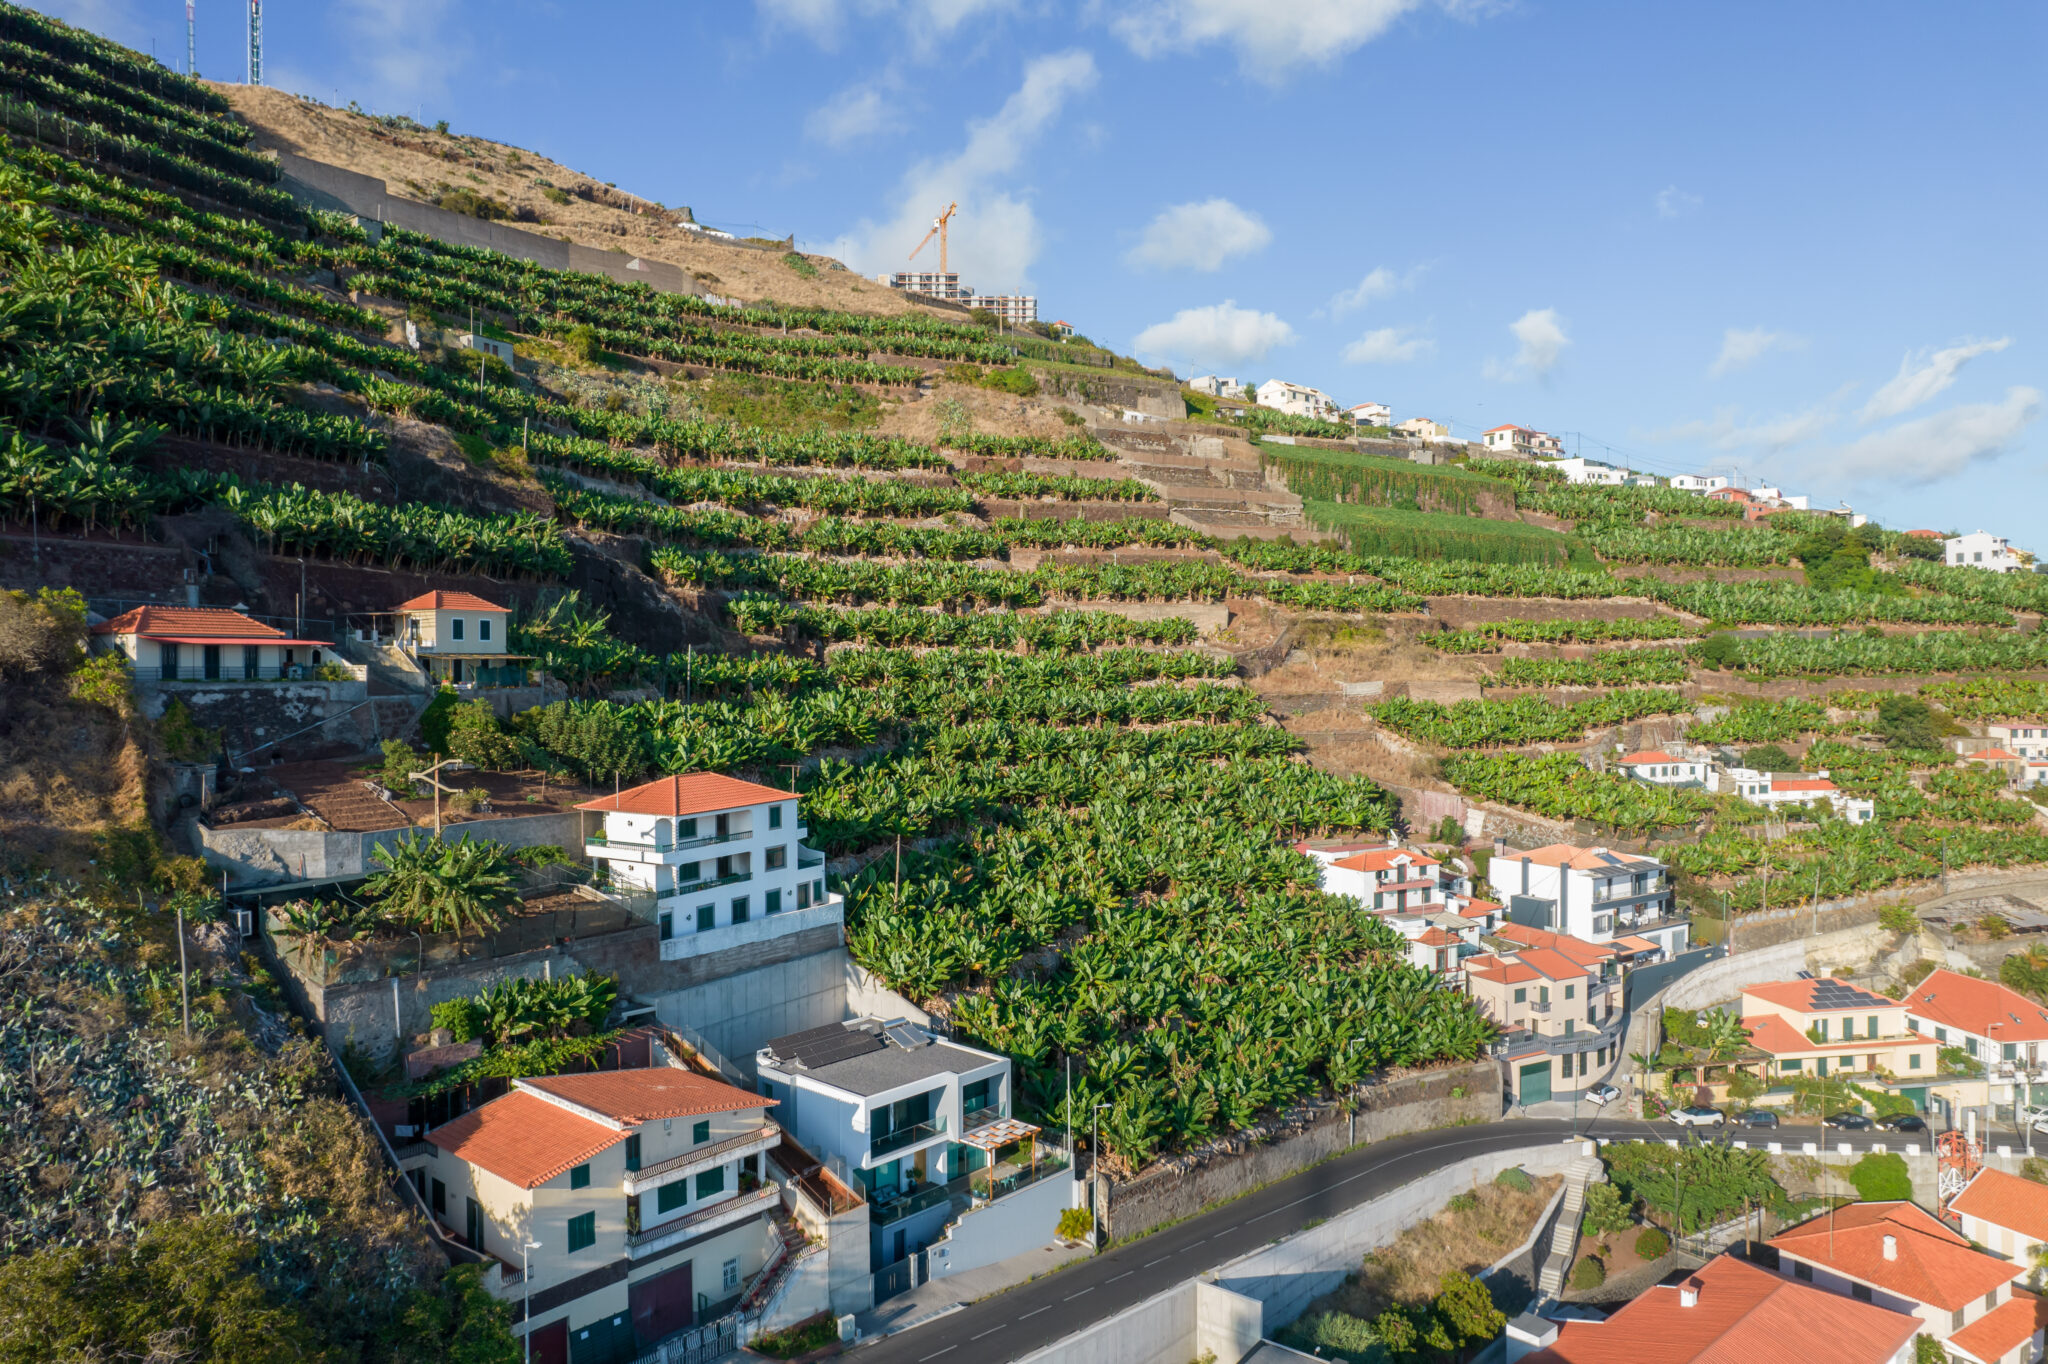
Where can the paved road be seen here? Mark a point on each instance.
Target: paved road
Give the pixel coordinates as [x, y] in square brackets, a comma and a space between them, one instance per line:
[1033, 1315]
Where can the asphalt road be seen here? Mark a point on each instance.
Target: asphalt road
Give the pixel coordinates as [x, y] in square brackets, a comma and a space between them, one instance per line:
[1034, 1315]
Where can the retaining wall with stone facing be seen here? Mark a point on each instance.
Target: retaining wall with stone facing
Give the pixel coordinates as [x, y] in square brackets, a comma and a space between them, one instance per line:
[1454, 1095]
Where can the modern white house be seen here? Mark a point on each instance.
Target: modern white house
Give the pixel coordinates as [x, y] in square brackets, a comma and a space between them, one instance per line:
[635, 1199]
[721, 859]
[1594, 894]
[1655, 766]
[1297, 400]
[1216, 386]
[953, 1180]
[206, 644]
[1422, 428]
[1698, 483]
[459, 639]
[1981, 550]
[1776, 790]
[1510, 440]
[1370, 414]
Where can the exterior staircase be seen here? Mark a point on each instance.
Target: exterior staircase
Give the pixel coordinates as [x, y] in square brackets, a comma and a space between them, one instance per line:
[1584, 1172]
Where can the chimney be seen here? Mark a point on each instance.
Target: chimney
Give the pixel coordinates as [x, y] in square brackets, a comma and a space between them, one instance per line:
[1891, 1247]
[1689, 1293]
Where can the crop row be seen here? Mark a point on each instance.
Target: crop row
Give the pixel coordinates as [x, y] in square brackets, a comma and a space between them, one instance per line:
[1065, 487]
[1559, 786]
[1990, 698]
[1047, 632]
[2013, 591]
[1609, 668]
[1689, 546]
[1075, 448]
[1761, 722]
[1874, 654]
[1488, 636]
[1523, 720]
[144, 156]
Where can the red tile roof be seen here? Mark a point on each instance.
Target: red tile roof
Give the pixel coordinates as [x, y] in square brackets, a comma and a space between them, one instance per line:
[523, 1139]
[2007, 1201]
[1930, 1264]
[448, 601]
[1479, 909]
[190, 622]
[1798, 994]
[1631, 943]
[1498, 969]
[1991, 1337]
[1584, 859]
[1436, 937]
[1992, 755]
[1927, 534]
[1550, 964]
[1983, 1007]
[1648, 755]
[632, 1097]
[1771, 1033]
[1575, 949]
[1385, 859]
[696, 794]
[1817, 785]
[1744, 1315]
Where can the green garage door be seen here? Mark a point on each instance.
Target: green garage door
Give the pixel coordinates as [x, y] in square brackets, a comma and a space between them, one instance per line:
[1535, 1083]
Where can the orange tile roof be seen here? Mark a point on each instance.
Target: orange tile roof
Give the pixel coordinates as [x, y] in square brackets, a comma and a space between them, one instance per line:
[1815, 784]
[1436, 937]
[1479, 909]
[448, 601]
[1648, 755]
[1798, 994]
[2007, 1201]
[1632, 943]
[1991, 1337]
[1930, 1265]
[1550, 964]
[1983, 1007]
[696, 794]
[1744, 1315]
[1500, 970]
[632, 1097]
[1385, 859]
[1583, 859]
[1992, 755]
[195, 622]
[523, 1139]
[1576, 949]
[1771, 1033]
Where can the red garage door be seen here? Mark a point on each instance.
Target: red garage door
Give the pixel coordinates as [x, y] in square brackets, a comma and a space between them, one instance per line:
[551, 1342]
[661, 1305]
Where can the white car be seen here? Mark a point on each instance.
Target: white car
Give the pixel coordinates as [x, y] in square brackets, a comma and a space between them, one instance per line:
[1698, 1117]
[1602, 1095]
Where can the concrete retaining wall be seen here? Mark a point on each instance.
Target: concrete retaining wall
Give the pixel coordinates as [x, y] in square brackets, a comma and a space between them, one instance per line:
[1159, 1330]
[987, 1235]
[311, 718]
[1720, 981]
[741, 1012]
[1412, 1103]
[254, 858]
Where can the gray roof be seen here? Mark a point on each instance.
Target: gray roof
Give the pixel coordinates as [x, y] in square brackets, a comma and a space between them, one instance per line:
[1272, 1352]
[878, 1057]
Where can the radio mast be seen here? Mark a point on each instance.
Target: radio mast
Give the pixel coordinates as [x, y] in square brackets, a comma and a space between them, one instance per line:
[255, 42]
[191, 60]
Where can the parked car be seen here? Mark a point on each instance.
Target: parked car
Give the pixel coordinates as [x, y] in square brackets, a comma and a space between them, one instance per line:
[1602, 1095]
[1698, 1116]
[1905, 1122]
[1756, 1117]
[1850, 1122]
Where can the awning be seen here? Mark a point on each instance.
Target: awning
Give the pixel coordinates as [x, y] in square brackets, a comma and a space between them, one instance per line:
[1001, 1132]
[225, 640]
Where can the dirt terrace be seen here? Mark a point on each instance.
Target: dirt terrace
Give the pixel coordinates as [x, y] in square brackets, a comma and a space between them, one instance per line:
[336, 793]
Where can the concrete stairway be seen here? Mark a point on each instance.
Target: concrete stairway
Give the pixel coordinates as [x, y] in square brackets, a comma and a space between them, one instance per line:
[1584, 1172]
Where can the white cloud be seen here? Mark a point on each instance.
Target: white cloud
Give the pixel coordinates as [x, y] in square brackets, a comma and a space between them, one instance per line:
[1543, 343]
[1388, 346]
[1941, 444]
[1923, 375]
[994, 237]
[857, 112]
[400, 56]
[1271, 37]
[1220, 336]
[924, 20]
[1380, 283]
[1199, 236]
[1742, 348]
[1673, 202]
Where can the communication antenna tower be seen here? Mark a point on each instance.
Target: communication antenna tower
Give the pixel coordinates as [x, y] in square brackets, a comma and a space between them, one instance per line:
[255, 42]
[191, 60]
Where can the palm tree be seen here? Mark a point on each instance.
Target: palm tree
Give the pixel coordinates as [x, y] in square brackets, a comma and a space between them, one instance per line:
[444, 887]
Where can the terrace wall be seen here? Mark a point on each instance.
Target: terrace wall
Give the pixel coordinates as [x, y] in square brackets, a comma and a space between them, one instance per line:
[254, 858]
[310, 718]
[1410, 1103]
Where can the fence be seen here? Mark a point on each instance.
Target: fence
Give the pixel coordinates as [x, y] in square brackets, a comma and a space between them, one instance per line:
[252, 672]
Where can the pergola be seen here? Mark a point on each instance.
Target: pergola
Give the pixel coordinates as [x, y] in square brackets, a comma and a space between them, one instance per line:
[991, 1137]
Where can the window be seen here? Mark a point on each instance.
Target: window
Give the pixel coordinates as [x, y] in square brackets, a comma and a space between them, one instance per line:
[669, 1197]
[803, 895]
[1860, 1292]
[775, 816]
[1802, 1271]
[582, 1232]
[1913, 1061]
[707, 918]
[818, 891]
[700, 1133]
[776, 858]
[1788, 1066]
[1991, 1300]
[977, 1096]
[711, 1182]
[1971, 1044]
[1569, 990]
[633, 1152]
[1941, 1035]
[1956, 1321]
[1568, 1028]
[771, 901]
[440, 1197]
[579, 1177]
[1543, 994]
[483, 629]
[250, 657]
[730, 1274]
[688, 872]
[1870, 1026]
[455, 627]
[1848, 1028]
[2011, 1050]
[1522, 995]
[739, 909]
[686, 828]
[668, 924]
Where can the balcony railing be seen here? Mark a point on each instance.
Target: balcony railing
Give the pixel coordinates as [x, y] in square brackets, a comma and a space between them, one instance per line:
[906, 1136]
[692, 887]
[235, 672]
[806, 858]
[654, 1176]
[675, 1229]
[909, 1205]
[602, 840]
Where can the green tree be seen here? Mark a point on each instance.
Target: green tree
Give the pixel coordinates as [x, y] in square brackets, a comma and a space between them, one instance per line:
[436, 718]
[1928, 1350]
[1900, 918]
[1718, 650]
[1770, 758]
[1882, 1179]
[1907, 722]
[400, 762]
[454, 887]
[461, 1323]
[1607, 1212]
[475, 736]
[1693, 1186]
[1466, 1310]
[1652, 1243]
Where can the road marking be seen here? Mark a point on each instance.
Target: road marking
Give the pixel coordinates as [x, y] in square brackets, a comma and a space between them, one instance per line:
[989, 1332]
[1071, 1296]
[936, 1353]
[1034, 1311]
[1125, 1275]
[1160, 1261]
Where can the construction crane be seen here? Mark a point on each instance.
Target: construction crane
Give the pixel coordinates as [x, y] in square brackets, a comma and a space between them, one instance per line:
[938, 230]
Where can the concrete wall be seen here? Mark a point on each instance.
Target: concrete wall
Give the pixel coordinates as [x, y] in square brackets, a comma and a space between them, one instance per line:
[1009, 1226]
[742, 1012]
[311, 718]
[1413, 1103]
[1719, 982]
[1159, 1330]
[375, 1015]
[259, 857]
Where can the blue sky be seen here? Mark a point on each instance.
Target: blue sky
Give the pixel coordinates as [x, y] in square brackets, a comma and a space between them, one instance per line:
[1798, 241]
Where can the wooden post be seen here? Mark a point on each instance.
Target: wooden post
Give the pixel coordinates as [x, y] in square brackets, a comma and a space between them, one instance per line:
[184, 986]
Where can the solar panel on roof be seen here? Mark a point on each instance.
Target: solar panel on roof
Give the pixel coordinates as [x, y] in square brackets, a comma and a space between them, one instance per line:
[816, 1047]
[904, 1036]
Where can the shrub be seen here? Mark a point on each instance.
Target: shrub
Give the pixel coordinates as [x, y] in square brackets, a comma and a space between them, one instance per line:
[1072, 418]
[1606, 1212]
[1462, 1202]
[462, 1017]
[1652, 1243]
[1075, 1224]
[1993, 927]
[1898, 919]
[1450, 832]
[1588, 1274]
[400, 762]
[469, 801]
[799, 1339]
[1516, 1178]
[1340, 1332]
[184, 738]
[797, 263]
[1013, 381]
[1718, 650]
[474, 735]
[1770, 758]
[1881, 1179]
[581, 343]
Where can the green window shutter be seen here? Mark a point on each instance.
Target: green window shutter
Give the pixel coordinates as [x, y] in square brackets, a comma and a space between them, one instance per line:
[582, 1232]
[633, 1152]
[701, 1133]
[579, 1177]
[711, 1182]
[669, 1197]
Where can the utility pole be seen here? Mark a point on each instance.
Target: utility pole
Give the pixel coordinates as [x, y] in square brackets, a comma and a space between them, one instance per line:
[184, 984]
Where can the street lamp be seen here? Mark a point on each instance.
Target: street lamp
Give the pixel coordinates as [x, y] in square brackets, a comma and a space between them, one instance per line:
[1095, 1163]
[526, 1298]
[429, 777]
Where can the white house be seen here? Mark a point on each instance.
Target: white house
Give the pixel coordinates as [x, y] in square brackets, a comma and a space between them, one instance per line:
[1979, 550]
[1659, 768]
[2005, 1214]
[1370, 414]
[2026, 738]
[1698, 483]
[1600, 473]
[722, 860]
[1297, 400]
[1510, 440]
[459, 638]
[1422, 428]
[643, 1190]
[1776, 790]
[203, 643]
[1392, 877]
[1216, 386]
[1993, 1024]
[926, 1126]
[475, 341]
[1593, 894]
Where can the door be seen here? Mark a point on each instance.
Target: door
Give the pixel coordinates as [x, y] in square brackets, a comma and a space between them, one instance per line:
[473, 1225]
[900, 1245]
[660, 1306]
[209, 659]
[1534, 1086]
[550, 1343]
[250, 657]
[455, 671]
[167, 660]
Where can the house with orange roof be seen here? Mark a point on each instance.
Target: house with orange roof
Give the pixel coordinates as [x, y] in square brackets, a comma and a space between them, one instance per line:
[1992, 1024]
[1778, 791]
[1899, 1257]
[1439, 939]
[2005, 1214]
[719, 861]
[2025, 737]
[1727, 1312]
[1560, 1018]
[459, 639]
[206, 644]
[1593, 894]
[2001, 759]
[636, 1200]
[1387, 878]
[1659, 768]
[1830, 1027]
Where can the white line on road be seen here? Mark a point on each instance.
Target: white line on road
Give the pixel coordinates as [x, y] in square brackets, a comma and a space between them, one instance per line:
[1071, 1296]
[1034, 1311]
[1160, 1261]
[1125, 1275]
[989, 1332]
[936, 1353]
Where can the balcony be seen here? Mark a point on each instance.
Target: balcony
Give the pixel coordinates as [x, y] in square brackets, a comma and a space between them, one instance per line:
[805, 858]
[905, 1137]
[726, 1213]
[704, 1157]
[881, 1214]
[969, 1191]
[712, 883]
[761, 928]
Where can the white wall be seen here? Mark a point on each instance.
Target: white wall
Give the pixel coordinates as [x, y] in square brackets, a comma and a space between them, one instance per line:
[1009, 1226]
